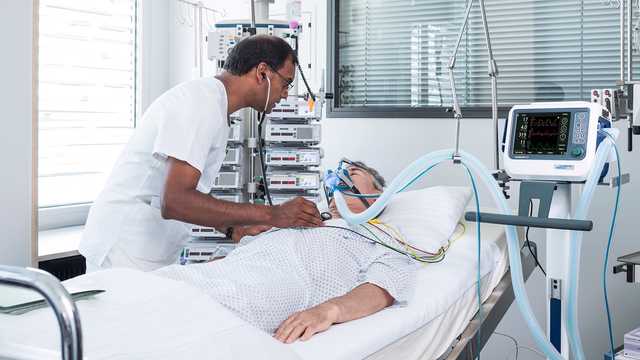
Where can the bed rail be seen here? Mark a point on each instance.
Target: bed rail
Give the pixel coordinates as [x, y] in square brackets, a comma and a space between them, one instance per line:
[59, 299]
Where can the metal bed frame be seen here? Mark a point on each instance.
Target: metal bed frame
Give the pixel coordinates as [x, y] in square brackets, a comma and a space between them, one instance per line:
[58, 298]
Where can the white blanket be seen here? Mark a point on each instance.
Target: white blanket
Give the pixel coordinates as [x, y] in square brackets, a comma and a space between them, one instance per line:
[141, 316]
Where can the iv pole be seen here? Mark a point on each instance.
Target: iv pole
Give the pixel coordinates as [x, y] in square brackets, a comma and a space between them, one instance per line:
[198, 11]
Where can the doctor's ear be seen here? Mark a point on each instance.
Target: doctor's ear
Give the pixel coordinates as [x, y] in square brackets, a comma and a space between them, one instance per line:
[261, 71]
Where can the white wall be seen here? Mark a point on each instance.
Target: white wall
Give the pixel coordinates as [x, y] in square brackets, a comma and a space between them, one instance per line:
[391, 144]
[182, 56]
[16, 21]
[154, 52]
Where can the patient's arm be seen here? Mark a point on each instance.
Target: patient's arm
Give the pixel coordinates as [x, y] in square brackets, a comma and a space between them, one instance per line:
[364, 300]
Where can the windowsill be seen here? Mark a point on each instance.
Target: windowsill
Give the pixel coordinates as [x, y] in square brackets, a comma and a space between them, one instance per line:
[59, 243]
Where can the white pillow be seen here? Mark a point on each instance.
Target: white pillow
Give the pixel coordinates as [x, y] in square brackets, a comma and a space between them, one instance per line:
[427, 217]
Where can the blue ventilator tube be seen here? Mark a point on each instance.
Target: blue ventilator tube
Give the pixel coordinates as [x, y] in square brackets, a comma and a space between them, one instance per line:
[417, 169]
[408, 175]
[575, 243]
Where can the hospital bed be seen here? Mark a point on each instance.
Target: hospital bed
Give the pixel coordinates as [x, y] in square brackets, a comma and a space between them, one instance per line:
[146, 316]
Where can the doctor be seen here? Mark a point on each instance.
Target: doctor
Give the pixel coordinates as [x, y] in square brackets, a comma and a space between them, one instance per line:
[161, 181]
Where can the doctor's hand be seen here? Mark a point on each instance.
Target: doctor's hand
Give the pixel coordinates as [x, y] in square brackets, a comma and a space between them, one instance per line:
[303, 325]
[297, 212]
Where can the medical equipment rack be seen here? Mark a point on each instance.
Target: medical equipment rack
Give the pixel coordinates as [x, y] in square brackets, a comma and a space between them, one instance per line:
[207, 243]
[291, 155]
[293, 144]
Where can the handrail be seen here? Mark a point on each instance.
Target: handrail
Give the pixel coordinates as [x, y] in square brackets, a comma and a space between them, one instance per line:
[59, 299]
[530, 221]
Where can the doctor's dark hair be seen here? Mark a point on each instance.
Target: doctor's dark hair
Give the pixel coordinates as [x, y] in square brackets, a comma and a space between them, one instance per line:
[379, 182]
[250, 52]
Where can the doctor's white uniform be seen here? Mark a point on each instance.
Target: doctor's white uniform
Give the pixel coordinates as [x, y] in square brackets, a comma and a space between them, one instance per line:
[125, 227]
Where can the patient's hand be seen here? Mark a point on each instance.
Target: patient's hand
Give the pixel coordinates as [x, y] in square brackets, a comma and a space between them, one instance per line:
[362, 301]
[303, 325]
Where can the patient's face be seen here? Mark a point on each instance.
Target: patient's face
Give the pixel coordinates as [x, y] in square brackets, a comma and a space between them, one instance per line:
[365, 184]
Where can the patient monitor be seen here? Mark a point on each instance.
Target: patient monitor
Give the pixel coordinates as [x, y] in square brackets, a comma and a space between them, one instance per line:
[553, 140]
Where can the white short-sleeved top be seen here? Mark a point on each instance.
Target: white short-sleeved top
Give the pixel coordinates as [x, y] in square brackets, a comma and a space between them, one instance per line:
[190, 123]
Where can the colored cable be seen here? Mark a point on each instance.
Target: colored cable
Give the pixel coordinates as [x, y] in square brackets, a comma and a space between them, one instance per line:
[528, 243]
[609, 243]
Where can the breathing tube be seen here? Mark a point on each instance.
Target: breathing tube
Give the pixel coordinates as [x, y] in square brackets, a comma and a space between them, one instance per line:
[419, 168]
[575, 243]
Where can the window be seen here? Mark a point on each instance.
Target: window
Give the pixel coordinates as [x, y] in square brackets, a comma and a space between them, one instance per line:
[392, 55]
[86, 101]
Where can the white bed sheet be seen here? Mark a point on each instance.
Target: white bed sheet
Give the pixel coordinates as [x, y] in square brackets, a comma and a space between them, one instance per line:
[440, 308]
[141, 316]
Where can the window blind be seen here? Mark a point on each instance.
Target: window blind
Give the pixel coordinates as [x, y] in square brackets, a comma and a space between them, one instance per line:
[396, 52]
[86, 95]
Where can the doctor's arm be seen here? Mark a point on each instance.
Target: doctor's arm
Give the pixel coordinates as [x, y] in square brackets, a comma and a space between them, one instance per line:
[181, 201]
[363, 300]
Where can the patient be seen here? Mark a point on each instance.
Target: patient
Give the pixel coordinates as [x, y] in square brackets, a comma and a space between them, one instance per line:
[295, 283]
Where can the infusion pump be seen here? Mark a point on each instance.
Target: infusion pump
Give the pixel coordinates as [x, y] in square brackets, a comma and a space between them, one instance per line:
[553, 140]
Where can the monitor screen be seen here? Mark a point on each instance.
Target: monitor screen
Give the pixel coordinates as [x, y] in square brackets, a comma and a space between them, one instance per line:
[541, 133]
